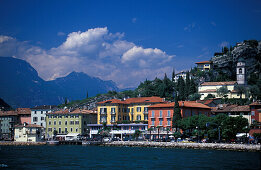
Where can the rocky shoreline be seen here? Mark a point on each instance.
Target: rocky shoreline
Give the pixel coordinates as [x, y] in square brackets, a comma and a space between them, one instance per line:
[215, 146]
[12, 143]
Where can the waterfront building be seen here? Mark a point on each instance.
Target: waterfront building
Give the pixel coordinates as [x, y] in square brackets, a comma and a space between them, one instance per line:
[66, 121]
[119, 130]
[211, 88]
[233, 111]
[255, 109]
[28, 133]
[204, 65]
[161, 115]
[131, 109]
[38, 114]
[8, 120]
[24, 115]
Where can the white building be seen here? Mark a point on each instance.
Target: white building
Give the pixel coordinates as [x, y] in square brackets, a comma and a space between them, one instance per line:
[182, 74]
[28, 133]
[38, 114]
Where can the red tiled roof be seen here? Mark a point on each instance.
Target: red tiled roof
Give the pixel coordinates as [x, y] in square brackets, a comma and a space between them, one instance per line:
[76, 111]
[218, 83]
[29, 125]
[23, 111]
[182, 104]
[231, 108]
[152, 99]
[204, 62]
[112, 101]
[8, 113]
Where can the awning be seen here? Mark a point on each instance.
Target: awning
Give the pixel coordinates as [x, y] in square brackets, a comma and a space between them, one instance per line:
[240, 135]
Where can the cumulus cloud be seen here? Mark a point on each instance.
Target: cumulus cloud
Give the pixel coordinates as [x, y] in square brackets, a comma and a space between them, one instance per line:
[60, 33]
[96, 52]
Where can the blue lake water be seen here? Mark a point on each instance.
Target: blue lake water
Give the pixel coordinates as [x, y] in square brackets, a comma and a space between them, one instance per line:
[97, 157]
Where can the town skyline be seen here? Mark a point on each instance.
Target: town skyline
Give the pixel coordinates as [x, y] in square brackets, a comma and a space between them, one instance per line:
[144, 40]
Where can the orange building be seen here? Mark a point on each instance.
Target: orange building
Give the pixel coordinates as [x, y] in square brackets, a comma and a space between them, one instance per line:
[24, 115]
[160, 115]
[255, 108]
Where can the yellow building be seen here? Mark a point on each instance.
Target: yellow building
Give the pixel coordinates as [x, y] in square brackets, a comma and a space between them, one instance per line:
[211, 88]
[204, 65]
[69, 121]
[132, 109]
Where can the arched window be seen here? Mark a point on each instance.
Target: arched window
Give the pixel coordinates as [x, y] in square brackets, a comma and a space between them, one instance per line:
[240, 70]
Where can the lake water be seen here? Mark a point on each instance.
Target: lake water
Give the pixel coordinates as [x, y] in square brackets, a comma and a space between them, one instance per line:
[97, 157]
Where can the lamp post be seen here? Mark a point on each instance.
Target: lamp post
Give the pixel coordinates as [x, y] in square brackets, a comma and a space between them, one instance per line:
[197, 134]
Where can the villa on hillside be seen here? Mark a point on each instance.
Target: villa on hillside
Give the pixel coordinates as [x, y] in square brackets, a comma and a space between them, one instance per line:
[211, 88]
[204, 65]
[182, 74]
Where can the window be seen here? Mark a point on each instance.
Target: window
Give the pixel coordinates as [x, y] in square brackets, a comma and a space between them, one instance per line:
[253, 113]
[152, 113]
[240, 70]
[113, 110]
[77, 116]
[168, 114]
[49, 129]
[138, 117]
[168, 122]
[41, 124]
[65, 122]
[71, 129]
[60, 116]
[76, 130]
[34, 112]
[113, 118]
[60, 130]
[35, 119]
[152, 123]
[66, 116]
[119, 109]
[72, 116]
[54, 122]
[41, 112]
[138, 109]
[46, 111]
[160, 122]
[65, 130]
[146, 117]
[50, 122]
[145, 109]
[160, 113]
[71, 122]
[60, 122]
[77, 122]
[119, 117]
[55, 116]
[42, 118]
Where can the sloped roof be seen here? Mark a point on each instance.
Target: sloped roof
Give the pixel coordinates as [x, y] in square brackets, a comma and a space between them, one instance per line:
[255, 104]
[192, 104]
[76, 111]
[204, 62]
[112, 101]
[219, 83]
[152, 99]
[23, 111]
[8, 113]
[231, 108]
[43, 107]
[30, 125]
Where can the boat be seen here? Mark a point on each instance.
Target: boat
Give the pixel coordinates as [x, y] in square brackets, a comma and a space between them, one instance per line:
[52, 142]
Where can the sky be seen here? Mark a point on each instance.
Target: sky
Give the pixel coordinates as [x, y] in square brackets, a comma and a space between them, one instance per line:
[123, 41]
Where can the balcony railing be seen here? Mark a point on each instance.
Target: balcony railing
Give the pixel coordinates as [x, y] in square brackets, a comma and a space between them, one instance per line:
[113, 113]
[145, 112]
[103, 113]
[103, 121]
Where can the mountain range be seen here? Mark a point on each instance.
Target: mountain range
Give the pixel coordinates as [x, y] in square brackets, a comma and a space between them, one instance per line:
[20, 85]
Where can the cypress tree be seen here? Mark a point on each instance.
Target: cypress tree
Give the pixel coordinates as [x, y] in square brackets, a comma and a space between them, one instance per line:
[173, 75]
[87, 95]
[187, 85]
[192, 88]
[176, 114]
[181, 89]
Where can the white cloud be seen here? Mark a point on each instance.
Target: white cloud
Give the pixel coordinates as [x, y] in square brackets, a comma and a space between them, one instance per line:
[96, 52]
[60, 33]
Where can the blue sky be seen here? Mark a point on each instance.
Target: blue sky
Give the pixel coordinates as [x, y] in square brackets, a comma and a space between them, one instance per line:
[112, 39]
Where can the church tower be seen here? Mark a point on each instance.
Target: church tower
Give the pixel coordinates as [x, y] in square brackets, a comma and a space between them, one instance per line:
[241, 72]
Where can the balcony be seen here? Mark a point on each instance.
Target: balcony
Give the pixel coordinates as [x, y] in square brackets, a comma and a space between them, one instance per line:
[132, 112]
[145, 112]
[113, 121]
[160, 117]
[113, 113]
[103, 121]
[152, 117]
[167, 117]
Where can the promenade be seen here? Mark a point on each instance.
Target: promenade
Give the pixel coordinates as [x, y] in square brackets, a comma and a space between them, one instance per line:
[215, 146]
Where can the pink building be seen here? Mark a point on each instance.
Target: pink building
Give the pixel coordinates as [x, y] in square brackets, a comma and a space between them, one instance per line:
[24, 115]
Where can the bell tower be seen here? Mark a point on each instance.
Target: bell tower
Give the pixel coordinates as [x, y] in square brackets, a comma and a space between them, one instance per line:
[241, 72]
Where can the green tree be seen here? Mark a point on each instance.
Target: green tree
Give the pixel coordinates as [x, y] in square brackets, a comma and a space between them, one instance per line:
[187, 85]
[181, 89]
[192, 87]
[87, 95]
[137, 134]
[176, 114]
[240, 90]
[225, 50]
[65, 101]
[223, 91]
[209, 96]
[173, 75]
